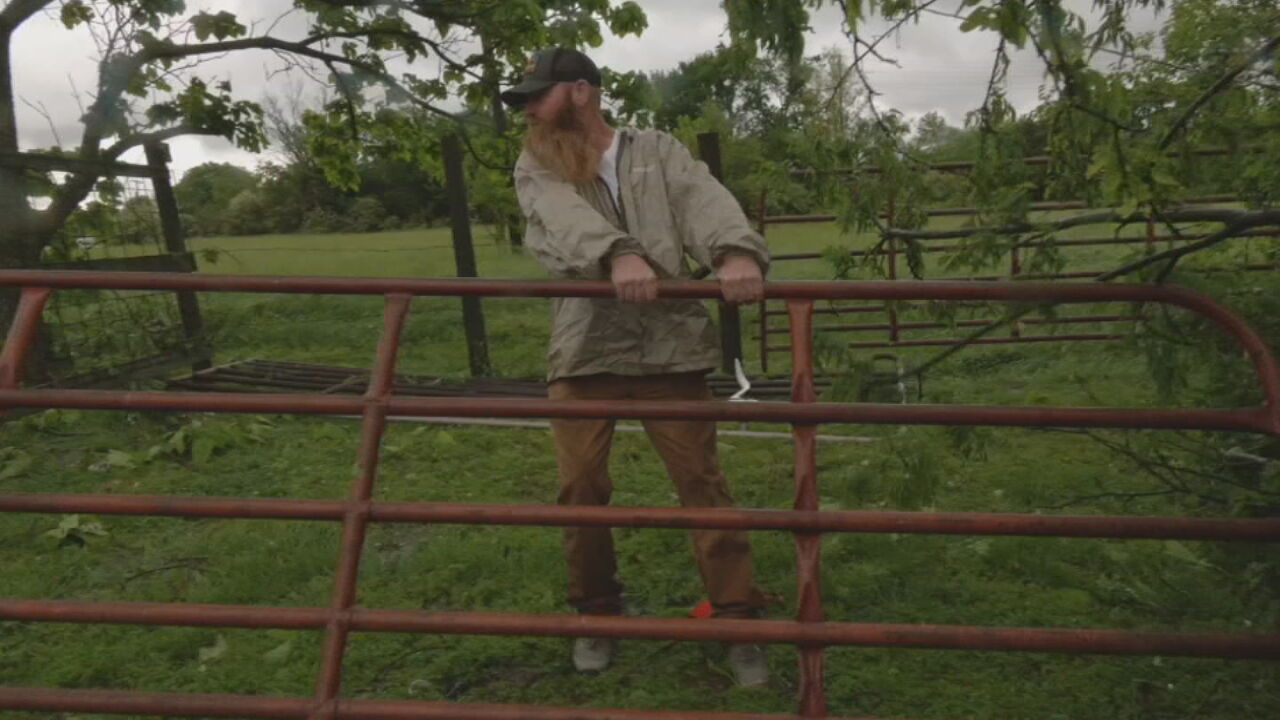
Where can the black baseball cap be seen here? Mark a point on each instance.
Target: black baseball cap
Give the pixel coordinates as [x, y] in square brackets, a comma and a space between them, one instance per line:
[548, 67]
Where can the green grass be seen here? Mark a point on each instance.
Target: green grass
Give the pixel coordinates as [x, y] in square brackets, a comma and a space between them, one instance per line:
[1018, 582]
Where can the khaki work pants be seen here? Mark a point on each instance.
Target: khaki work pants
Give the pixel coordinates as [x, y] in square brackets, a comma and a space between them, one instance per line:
[689, 451]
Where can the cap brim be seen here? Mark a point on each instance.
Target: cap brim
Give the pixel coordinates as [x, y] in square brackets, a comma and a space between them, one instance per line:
[521, 94]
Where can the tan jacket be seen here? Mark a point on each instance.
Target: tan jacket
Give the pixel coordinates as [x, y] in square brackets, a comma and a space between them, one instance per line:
[672, 209]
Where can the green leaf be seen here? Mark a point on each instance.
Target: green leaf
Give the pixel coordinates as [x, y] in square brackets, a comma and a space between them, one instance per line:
[76, 12]
[119, 459]
[222, 25]
[279, 653]
[92, 528]
[1163, 177]
[214, 651]
[980, 18]
[202, 450]
[17, 463]
[1181, 551]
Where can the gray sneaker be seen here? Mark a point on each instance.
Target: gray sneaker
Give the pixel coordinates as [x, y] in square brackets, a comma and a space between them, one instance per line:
[593, 654]
[749, 664]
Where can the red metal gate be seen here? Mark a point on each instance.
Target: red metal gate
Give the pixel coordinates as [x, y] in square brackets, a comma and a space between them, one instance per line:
[809, 631]
[880, 325]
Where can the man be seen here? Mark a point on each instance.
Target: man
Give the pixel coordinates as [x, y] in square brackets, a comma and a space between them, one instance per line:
[630, 206]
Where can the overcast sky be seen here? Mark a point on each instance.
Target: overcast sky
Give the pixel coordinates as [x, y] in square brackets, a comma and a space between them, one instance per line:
[939, 69]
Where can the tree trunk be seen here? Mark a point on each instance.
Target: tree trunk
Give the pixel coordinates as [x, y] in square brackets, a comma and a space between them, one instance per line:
[17, 249]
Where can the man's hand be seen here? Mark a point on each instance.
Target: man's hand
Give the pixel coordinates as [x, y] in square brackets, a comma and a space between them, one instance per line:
[740, 279]
[634, 280]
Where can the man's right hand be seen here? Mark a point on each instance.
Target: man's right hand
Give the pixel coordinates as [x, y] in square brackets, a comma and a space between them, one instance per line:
[633, 279]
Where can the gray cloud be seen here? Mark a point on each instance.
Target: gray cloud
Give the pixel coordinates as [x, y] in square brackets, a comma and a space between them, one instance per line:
[938, 68]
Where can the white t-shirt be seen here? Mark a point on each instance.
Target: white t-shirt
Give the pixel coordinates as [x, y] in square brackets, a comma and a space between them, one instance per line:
[609, 168]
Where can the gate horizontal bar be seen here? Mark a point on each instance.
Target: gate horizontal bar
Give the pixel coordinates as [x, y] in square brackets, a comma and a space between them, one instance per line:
[1251, 420]
[246, 706]
[465, 287]
[845, 521]
[805, 634]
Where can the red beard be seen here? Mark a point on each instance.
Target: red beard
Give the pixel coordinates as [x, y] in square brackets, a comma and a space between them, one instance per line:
[562, 147]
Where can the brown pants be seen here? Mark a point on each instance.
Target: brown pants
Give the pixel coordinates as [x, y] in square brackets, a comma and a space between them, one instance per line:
[689, 451]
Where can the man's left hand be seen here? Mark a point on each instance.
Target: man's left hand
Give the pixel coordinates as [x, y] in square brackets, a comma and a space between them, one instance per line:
[740, 279]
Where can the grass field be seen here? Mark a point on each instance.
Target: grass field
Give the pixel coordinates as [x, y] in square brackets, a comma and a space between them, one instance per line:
[1149, 585]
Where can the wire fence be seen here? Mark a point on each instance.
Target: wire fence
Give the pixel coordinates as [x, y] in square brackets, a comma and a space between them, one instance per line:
[94, 336]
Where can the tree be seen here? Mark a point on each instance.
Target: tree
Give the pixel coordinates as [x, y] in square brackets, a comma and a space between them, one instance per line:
[139, 221]
[246, 214]
[206, 191]
[1118, 131]
[935, 138]
[151, 87]
[773, 115]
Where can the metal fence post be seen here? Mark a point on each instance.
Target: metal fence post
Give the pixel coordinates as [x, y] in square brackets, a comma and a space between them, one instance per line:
[730, 318]
[465, 256]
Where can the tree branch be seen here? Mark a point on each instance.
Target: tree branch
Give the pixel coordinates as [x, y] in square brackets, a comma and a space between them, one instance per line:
[1081, 499]
[1247, 218]
[406, 34]
[44, 112]
[19, 11]
[1243, 220]
[1173, 255]
[1222, 83]
[348, 99]
[129, 142]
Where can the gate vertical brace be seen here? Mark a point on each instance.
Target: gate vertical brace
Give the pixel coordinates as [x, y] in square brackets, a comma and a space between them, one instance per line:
[465, 256]
[21, 337]
[730, 318]
[813, 702]
[355, 521]
[158, 158]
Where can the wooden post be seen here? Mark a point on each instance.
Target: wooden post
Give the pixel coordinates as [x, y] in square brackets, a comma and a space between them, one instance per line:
[465, 256]
[890, 218]
[730, 318]
[158, 158]
[762, 225]
[1015, 269]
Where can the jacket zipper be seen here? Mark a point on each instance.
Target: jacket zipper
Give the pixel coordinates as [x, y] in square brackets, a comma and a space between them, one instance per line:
[618, 206]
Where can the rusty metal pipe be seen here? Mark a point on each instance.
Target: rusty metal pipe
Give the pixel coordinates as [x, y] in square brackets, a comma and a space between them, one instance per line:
[812, 660]
[356, 518]
[1260, 355]
[1251, 420]
[452, 287]
[22, 334]
[813, 634]
[821, 521]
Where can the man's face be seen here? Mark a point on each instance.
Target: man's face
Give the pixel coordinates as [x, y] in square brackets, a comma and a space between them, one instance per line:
[551, 105]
